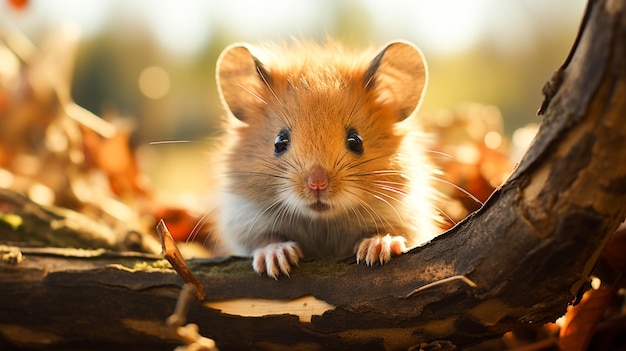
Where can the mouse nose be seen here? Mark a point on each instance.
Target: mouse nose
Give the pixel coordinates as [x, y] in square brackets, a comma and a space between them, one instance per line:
[318, 178]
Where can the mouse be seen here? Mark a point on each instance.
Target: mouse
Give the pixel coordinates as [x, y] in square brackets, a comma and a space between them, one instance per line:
[323, 155]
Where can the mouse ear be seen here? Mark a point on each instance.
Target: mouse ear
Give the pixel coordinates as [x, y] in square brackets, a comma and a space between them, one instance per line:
[240, 77]
[398, 76]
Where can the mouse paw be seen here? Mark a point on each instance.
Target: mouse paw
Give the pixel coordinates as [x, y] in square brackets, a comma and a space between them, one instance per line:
[276, 258]
[380, 248]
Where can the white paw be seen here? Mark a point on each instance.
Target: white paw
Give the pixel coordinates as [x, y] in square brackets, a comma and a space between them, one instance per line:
[276, 258]
[380, 248]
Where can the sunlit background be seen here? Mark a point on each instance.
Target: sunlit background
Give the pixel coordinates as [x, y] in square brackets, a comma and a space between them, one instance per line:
[153, 62]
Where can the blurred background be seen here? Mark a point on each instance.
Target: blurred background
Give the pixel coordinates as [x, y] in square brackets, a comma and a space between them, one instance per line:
[155, 60]
[151, 65]
[87, 86]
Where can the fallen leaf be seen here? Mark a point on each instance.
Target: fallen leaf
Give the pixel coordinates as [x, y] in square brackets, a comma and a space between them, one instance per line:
[582, 320]
[615, 251]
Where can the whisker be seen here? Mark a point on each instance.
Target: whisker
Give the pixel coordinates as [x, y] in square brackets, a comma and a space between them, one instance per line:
[378, 195]
[257, 174]
[259, 215]
[196, 228]
[444, 214]
[372, 213]
[359, 215]
[340, 159]
[399, 191]
[291, 83]
[251, 93]
[391, 188]
[161, 142]
[293, 216]
[352, 115]
[381, 172]
[369, 81]
[216, 242]
[260, 71]
[361, 163]
[283, 211]
[283, 167]
[440, 153]
[459, 188]
[368, 209]
[389, 171]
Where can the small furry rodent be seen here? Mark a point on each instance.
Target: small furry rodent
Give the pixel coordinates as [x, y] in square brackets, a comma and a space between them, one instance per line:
[324, 158]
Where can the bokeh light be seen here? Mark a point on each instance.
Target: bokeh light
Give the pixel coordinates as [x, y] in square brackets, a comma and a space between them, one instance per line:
[154, 82]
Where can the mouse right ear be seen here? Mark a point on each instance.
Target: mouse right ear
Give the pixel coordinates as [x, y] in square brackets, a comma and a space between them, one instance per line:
[240, 78]
[398, 74]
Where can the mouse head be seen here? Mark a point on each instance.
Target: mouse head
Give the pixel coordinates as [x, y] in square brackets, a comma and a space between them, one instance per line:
[320, 129]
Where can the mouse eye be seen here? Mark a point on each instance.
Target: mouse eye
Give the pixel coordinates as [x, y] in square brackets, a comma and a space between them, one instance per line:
[354, 142]
[281, 143]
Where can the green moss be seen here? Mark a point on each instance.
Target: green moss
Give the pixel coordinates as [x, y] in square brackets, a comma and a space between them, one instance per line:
[13, 220]
[243, 266]
[152, 265]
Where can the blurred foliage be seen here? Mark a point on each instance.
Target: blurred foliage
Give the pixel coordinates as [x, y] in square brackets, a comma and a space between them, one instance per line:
[480, 104]
[104, 69]
[109, 64]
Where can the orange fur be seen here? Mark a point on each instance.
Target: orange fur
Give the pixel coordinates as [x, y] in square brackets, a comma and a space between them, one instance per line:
[319, 94]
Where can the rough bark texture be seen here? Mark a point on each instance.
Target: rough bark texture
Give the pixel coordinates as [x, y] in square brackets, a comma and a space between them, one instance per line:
[529, 250]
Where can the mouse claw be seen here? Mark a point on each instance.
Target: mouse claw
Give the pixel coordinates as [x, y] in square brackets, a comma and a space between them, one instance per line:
[276, 258]
[380, 248]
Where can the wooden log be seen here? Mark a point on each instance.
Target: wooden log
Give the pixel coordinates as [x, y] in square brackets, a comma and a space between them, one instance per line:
[529, 250]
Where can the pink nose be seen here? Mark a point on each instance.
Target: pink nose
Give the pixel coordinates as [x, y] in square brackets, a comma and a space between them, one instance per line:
[318, 178]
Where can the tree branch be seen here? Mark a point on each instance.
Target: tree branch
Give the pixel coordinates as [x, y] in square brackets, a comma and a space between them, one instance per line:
[529, 250]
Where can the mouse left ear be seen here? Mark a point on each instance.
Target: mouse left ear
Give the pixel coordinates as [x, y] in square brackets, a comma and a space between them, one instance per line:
[398, 76]
[240, 77]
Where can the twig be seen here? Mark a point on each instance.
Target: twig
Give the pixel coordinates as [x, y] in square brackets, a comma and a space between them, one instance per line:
[182, 306]
[441, 282]
[188, 333]
[552, 86]
[175, 258]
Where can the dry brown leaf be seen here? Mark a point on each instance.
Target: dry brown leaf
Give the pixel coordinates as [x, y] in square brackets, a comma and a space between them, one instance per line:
[114, 157]
[471, 151]
[615, 251]
[582, 320]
